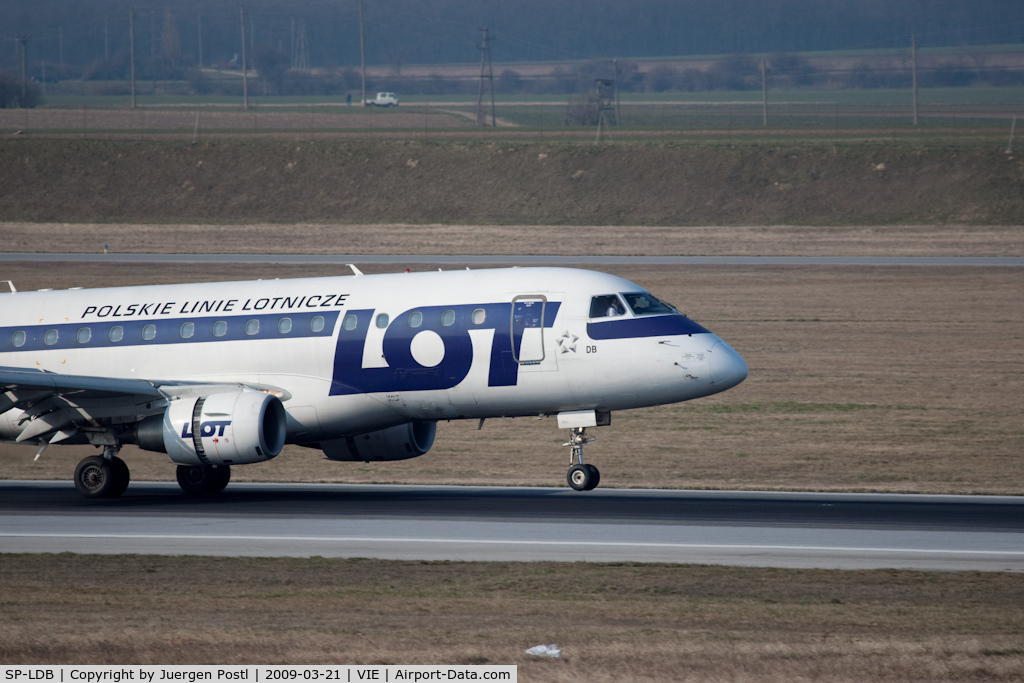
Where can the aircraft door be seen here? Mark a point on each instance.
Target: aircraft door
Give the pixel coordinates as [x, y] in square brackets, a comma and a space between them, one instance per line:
[527, 329]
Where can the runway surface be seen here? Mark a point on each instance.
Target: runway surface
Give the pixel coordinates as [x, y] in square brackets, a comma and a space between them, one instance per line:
[523, 260]
[850, 531]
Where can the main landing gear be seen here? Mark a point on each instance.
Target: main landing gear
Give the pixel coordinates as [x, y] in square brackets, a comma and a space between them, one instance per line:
[107, 476]
[103, 476]
[203, 480]
[581, 477]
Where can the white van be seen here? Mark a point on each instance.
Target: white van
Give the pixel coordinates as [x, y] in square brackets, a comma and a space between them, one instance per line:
[383, 99]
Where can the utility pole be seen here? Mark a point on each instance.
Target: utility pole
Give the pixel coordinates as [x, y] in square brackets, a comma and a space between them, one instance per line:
[245, 76]
[131, 43]
[764, 94]
[199, 25]
[615, 65]
[24, 68]
[300, 51]
[152, 46]
[913, 64]
[485, 68]
[362, 50]
[603, 86]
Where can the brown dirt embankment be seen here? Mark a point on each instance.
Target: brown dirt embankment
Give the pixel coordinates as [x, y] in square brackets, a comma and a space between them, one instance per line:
[507, 183]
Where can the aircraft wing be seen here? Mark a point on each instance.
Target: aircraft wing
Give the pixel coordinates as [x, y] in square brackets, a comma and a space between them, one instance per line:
[81, 408]
[23, 381]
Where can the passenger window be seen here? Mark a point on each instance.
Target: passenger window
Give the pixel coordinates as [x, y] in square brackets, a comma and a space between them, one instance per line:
[350, 322]
[415, 319]
[50, 338]
[606, 306]
[187, 330]
[18, 338]
[448, 318]
[317, 323]
[220, 328]
[479, 316]
[116, 333]
[252, 327]
[84, 335]
[149, 332]
[383, 320]
[284, 326]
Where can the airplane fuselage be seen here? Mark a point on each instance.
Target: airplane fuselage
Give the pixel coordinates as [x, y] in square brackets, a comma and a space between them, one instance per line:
[353, 354]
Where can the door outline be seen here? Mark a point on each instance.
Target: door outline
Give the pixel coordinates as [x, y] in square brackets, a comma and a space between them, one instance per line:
[512, 328]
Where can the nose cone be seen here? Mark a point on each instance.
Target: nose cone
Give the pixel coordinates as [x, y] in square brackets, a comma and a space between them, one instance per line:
[727, 367]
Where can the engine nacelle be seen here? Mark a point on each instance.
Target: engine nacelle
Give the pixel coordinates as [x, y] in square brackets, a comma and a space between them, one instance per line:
[409, 440]
[231, 428]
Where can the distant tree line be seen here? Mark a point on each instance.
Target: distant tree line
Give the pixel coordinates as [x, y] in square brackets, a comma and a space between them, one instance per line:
[14, 95]
[90, 39]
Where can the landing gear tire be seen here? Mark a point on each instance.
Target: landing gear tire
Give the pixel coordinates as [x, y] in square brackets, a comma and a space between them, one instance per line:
[583, 477]
[99, 477]
[203, 480]
[122, 477]
[221, 477]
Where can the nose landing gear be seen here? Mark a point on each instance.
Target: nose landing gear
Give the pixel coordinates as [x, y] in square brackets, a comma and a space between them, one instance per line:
[581, 477]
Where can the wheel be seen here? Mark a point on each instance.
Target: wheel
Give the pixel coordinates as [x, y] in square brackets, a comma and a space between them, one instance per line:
[221, 477]
[595, 478]
[95, 477]
[579, 477]
[199, 480]
[121, 477]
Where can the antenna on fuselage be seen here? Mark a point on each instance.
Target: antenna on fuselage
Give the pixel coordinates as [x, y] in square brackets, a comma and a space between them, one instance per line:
[355, 271]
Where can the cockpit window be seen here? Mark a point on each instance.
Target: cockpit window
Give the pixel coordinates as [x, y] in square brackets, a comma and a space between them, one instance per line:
[642, 303]
[606, 306]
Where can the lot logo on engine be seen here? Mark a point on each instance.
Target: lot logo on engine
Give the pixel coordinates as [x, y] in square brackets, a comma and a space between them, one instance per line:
[205, 429]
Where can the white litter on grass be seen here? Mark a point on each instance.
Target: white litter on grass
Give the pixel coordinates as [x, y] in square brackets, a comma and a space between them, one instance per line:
[545, 651]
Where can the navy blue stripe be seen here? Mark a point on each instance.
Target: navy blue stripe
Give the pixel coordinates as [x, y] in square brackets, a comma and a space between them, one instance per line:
[652, 326]
[168, 331]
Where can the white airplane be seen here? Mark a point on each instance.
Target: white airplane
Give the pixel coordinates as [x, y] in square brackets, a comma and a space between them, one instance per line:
[361, 366]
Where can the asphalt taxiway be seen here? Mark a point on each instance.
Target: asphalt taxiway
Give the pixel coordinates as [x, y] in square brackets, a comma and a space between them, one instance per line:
[518, 259]
[770, 529]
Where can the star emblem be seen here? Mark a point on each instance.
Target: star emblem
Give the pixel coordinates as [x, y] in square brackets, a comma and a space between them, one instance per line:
[567, 342]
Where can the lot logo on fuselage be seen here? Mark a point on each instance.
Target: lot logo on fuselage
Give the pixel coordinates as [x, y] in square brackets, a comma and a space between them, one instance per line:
[405, 373]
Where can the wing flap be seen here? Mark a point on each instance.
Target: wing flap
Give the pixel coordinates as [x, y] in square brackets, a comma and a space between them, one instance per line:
[20, 380]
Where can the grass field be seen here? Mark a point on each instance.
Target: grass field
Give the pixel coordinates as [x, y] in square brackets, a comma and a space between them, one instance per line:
[1010, 97]
[613, 622]
[839, 113]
